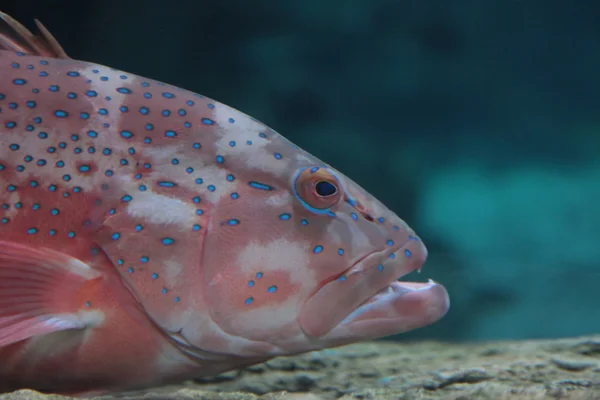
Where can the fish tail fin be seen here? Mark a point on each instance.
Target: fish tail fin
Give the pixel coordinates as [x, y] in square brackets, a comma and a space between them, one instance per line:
[40, 291]
[15, 37]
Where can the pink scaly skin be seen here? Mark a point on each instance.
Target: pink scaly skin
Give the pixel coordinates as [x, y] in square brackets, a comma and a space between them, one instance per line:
[151, 235]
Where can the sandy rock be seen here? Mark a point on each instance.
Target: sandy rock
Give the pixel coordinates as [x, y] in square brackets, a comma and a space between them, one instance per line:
[525, 370]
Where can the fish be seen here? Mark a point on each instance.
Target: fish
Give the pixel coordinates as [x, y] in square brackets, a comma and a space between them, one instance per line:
[151, 235]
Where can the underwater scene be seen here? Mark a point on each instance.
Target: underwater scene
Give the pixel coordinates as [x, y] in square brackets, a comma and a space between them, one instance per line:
[307, 200]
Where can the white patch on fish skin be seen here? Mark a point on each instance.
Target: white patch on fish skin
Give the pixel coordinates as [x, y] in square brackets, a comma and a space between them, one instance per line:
[82, 269]
[159, 209]
[240, 137]
[164, 168]
[12, 199]
[81, 319]
[217, 177]
[359, 238]
[164, 154]
[333, 232]
[172, 271]
[245, 129]
[279, 200]
[276, 321]
[304, 159]
[210, 174]
[280, 254]
[266, 162]
[107, 88]
[54, 343]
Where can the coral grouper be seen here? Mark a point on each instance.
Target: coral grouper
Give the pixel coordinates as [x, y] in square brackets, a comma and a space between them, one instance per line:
[149, 234]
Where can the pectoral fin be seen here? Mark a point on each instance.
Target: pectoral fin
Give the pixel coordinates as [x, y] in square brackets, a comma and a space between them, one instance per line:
[40, 292]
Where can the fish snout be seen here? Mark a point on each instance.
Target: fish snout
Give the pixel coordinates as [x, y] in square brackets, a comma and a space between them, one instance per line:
[368, 301]
[396, 252]
[398, 241]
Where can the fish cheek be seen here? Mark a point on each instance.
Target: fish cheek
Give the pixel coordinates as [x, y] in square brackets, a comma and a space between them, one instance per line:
[255, 276]
[256, 309]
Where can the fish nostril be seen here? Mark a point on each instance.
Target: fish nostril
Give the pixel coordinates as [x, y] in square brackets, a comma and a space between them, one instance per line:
[364, 212]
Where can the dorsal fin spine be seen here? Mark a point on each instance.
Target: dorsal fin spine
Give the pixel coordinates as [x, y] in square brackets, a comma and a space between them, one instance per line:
[15, 37]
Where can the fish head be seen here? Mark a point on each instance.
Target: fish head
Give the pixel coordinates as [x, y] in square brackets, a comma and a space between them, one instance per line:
[300, 257]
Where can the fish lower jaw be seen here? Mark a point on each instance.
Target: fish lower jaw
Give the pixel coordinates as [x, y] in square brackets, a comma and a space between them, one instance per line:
[395, 309]
[371, 280]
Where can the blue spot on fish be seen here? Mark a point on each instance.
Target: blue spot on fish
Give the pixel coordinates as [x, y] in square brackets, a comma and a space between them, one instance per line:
[168, 241]
[167, 184]
[258, 185]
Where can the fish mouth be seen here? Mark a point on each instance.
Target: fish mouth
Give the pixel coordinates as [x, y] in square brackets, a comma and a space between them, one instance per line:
[356, 303]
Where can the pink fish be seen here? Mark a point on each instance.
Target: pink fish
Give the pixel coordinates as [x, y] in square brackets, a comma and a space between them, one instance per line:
[150, 235]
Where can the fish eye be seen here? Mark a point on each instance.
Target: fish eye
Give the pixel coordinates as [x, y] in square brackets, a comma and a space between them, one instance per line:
[325, 188]
[318, 189]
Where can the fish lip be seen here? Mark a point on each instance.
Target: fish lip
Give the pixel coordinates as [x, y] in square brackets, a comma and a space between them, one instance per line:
[354, 268]
[398, 308]
[385, 254]
[339, 296]
[366, 261]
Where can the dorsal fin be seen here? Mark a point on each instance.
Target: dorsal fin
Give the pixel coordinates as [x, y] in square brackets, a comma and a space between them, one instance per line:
[15, 37]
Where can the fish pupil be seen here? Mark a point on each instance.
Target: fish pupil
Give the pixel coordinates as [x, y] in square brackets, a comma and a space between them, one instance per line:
[325, 189]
